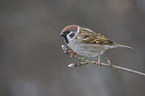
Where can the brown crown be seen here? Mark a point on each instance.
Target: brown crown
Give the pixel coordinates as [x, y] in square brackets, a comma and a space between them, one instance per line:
[71, 28]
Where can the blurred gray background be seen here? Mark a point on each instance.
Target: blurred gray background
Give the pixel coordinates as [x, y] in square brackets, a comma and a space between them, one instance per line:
[32, 62]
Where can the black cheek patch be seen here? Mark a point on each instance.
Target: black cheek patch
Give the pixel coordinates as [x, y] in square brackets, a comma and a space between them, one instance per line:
[72, 35]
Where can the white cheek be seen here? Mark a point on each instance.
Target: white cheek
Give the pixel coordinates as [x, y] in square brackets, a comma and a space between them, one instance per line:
[69, 39]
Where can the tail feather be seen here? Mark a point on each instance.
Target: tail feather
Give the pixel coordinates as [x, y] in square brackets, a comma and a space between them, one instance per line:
[119, 45]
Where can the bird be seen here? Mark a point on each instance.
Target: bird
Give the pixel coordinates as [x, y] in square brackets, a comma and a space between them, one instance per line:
[87, 43]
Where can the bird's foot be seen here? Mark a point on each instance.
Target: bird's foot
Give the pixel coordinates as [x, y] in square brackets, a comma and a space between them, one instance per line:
[98, 62]
[73, 54]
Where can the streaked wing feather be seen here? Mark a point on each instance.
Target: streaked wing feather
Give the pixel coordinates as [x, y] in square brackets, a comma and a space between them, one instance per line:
[90, 37]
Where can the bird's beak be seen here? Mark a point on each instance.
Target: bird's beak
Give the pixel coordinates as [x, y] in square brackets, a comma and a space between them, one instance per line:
[61, 35]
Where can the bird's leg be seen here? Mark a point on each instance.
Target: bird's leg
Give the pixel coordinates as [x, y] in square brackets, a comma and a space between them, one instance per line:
[73, 54]
[98, 62]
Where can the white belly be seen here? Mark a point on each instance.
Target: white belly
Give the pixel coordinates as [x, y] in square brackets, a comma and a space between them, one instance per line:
[87, 50]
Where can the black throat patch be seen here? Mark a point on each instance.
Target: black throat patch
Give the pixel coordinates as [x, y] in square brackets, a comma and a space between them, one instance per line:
[65, 39]
[65, 36]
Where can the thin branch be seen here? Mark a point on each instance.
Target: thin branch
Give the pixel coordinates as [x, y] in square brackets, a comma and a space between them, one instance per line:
[87, 61]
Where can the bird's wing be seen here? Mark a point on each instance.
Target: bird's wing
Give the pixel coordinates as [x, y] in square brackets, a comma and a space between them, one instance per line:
[90, 37]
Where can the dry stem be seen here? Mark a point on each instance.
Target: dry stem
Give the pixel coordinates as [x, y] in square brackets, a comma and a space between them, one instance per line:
[87, 61]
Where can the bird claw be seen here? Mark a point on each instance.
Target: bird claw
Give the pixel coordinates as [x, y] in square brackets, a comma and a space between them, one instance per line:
[98, 63]
[73, 54]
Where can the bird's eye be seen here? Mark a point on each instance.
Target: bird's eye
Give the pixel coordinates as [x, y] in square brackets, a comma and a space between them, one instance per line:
[67, 32]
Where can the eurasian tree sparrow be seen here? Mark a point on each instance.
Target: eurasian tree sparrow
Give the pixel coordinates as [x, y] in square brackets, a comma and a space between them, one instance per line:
[87, 43]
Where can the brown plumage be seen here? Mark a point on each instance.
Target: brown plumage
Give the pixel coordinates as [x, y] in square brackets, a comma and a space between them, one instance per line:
[89, 36]
[71, 28]
[86, 42]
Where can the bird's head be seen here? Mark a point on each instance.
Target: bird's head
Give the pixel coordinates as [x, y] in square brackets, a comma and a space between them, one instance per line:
[70, 32]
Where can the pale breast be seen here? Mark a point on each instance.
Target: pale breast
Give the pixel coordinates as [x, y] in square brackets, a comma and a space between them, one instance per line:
[87, 50]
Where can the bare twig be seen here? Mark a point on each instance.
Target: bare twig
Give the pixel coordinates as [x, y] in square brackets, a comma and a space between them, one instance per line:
[87, 61]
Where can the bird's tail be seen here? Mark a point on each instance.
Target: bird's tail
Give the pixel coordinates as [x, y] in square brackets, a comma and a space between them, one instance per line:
[119, 45]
